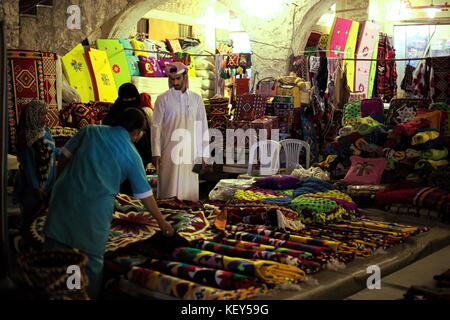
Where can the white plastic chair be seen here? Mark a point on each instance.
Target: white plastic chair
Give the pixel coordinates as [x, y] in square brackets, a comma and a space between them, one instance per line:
[269, 157]
[292, 148]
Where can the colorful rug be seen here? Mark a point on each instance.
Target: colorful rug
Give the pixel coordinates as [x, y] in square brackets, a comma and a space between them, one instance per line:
[26, 82]
[187, 290]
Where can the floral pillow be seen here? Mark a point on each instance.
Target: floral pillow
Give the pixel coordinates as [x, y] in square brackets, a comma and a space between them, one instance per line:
[365, 171]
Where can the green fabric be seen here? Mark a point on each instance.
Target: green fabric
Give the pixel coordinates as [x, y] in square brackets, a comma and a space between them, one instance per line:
[352, 110]
[315, 204]
[440, 106]
[435, 154]
[365, 126]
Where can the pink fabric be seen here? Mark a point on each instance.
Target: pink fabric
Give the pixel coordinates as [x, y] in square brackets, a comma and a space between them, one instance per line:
[339, 36]
[365, 171]
[368, 37]
[371, 106]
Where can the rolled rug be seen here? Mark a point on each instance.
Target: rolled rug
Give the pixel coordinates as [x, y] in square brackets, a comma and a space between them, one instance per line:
[423, 137]
[187, 290]
[280, 257]
[435, 154]
[316, 250]
[268, 271]
[207, 276]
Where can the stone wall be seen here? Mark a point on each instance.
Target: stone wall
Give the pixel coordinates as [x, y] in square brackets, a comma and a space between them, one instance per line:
[9, 13]
[353, 9]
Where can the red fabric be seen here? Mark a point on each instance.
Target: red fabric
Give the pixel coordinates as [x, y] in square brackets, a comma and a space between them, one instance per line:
[25, 83]
[250, 107]
[146, 100]
[397, 196]
[408, 128]
[313, 40]
[242, 86]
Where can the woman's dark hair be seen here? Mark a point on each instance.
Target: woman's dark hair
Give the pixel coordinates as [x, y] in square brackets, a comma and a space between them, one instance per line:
[131, 119]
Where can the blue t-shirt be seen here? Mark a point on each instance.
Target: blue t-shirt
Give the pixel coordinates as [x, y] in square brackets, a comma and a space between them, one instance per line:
[82, 202]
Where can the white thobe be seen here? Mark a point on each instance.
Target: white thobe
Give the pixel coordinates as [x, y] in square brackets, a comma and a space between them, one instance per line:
[179, 137]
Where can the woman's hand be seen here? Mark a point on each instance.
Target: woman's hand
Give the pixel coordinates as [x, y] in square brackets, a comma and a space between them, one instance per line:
[166, 228]
[150, 204]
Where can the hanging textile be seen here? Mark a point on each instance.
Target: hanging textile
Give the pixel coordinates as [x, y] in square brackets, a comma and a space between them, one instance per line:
[407, 82]
[441, 78]
[368, 37]
[31, 75]
[421, 81]
[350, 47]
[386, 79]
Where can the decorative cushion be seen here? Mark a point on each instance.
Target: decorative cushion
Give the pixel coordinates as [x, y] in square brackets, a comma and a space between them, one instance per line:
[52, 118]
[174, 45]
[434, 117]
[139, 45]
[163, 62]
[373, 108]
[127, 46]
[79, 115]
[403, 110]
[365, 171]
[250, 107]
[133, 65]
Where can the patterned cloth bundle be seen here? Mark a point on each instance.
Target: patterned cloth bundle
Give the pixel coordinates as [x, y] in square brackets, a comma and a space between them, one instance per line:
[268, 271]
[187, 290]
[230, 250]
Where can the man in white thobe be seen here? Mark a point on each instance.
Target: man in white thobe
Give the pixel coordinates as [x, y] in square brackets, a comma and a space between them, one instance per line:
[179, 137]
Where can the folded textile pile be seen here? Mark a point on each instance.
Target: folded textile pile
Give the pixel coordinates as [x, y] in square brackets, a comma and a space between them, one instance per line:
[268, 271]
[235, 251]
[207, 276]
[187, 290]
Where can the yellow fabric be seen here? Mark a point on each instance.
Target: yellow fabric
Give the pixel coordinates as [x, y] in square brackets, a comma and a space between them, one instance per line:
[77, 73]
[139, 45]
[423, 137]
[269, 271]
[191, 68]
[107, 91]
[350, 48]
[293, 92]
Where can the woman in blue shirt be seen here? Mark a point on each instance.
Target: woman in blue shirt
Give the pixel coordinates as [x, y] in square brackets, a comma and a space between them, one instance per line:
[37, 155]
[93, 164]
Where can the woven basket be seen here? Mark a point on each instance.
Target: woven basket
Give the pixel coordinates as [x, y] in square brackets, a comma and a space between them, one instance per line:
[46, 272]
